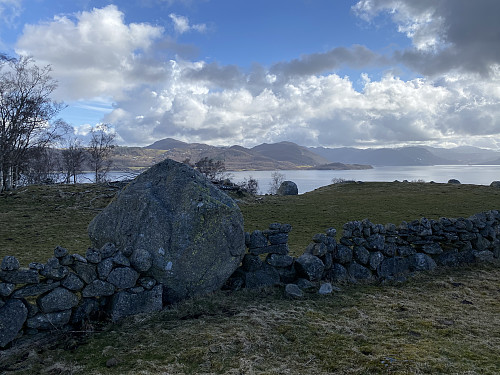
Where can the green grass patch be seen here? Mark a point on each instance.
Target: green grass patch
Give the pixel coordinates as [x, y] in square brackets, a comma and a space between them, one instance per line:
[36, 219]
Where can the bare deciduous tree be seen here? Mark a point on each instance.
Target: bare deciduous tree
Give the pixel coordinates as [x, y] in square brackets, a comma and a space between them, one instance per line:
[277, 179]
[214, 170]
[99, 151]
[73, 158]
[42, 165]
[26, 113]
[251, 185]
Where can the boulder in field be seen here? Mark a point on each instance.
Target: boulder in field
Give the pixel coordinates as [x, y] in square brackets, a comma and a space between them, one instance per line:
[193, 231]
[288, 188]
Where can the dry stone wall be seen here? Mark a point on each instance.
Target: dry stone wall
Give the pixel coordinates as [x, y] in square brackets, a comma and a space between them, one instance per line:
[366, 252]
[70, 289]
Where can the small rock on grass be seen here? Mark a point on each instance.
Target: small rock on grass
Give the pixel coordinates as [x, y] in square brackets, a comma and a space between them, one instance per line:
[325, 288]
[293, 291]
[112, 362]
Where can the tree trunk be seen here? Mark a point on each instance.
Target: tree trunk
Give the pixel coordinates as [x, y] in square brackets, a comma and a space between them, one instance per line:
[8, 179]
[1, 178]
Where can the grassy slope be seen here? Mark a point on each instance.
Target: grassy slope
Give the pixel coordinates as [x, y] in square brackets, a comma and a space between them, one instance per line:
[35, 219]
[438, 323]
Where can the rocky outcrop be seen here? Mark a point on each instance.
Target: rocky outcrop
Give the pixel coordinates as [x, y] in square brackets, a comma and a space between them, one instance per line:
[184, 232]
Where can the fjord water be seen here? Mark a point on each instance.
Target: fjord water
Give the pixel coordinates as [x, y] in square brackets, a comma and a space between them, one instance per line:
[308, 180]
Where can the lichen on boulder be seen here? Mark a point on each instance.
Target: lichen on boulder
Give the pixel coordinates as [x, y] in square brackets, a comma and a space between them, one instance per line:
[193, 231]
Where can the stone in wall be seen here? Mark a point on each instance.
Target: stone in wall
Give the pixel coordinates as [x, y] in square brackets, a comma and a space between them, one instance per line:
[359, 272]
[266, 275]
[310, 267]
[421, 262]
[278, 266]
[13, 315]
[338, 274]
[125, 303]
[49, 321]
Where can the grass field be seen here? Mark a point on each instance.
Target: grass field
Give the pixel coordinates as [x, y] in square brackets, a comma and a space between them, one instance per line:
[35, 219]
[444, 322]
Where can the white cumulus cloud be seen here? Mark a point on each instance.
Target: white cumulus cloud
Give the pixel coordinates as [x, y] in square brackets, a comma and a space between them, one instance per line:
[93, 54]
[96, 54]
[10, 10]
[181, 24]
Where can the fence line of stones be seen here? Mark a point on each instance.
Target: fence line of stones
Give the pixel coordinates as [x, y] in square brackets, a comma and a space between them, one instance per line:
[70, 289]
[366, 251]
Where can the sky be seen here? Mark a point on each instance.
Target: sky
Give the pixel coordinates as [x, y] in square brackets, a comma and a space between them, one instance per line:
[332, 73]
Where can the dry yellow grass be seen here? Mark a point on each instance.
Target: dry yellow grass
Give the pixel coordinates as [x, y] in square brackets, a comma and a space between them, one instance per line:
[440, 323]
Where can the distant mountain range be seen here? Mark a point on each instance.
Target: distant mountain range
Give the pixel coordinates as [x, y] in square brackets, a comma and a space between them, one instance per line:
[283, 155]
[411, 156]
[288, 155]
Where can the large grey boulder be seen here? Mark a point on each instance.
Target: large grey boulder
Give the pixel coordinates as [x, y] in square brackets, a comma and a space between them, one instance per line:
[288, 188]
[193, 231]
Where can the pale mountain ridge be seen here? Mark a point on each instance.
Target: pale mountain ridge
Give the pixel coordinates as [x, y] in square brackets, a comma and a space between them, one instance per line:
[282, 155]
[289, 155]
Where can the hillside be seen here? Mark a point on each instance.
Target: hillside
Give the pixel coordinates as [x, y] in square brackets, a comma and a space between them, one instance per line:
[125, 158]
[278, 156]
[167, 144]
[288, 155]
[467, 155]
[382, 156]
[288, 151]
